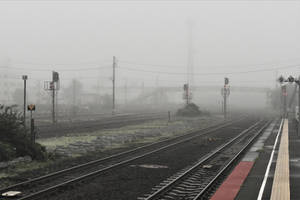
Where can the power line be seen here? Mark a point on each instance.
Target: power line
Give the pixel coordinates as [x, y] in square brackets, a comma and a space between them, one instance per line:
[153, 71]
[84, 69]
[39, 69]
[62, 64]
[207, 66]
[211, 73]
[17, 68]
[134, 69]
[151, 65]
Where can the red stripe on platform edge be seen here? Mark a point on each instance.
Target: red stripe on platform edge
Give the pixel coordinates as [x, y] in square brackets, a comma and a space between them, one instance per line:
[231, 186]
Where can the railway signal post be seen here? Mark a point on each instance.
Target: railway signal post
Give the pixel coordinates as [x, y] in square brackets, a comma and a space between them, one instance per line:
[284, 94]
[290, 79]
[31, 108]
[53, 86]
[24, 77]
[187, 95]
[225, 91]
[114, 82]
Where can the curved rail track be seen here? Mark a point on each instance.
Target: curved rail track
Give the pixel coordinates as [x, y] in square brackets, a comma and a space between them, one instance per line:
[37, 187]
[196, 181]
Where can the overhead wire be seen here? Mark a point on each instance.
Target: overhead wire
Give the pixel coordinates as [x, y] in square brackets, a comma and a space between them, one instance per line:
[95, 62]
[210, 73]
[65, 69]
[135, 69]
[207, 66]
[146, 71]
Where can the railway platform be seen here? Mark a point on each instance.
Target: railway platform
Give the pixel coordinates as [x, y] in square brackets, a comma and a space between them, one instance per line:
[269, 170]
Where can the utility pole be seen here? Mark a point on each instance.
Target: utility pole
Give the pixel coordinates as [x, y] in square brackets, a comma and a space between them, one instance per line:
[54, 85]
[225, 106]
[53, 102]
[284, 95]
[74, 97]
[113, 82]
[24, 77]
[125, 92]
[298, 83]
[158, 91]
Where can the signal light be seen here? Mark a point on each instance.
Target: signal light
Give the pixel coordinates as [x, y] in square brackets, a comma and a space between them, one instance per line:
[281, 79]
[291, 79]
[24, 77]
[55, 76]
[31, 107]
[226, 80]
[186, 87]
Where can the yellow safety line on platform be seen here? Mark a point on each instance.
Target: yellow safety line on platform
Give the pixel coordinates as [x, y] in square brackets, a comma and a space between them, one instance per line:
[281, 181]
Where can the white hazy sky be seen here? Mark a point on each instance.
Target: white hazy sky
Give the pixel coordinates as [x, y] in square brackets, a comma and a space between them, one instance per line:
[150, 40]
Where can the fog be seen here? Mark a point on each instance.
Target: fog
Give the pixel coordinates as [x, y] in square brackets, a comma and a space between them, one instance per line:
[251, 43]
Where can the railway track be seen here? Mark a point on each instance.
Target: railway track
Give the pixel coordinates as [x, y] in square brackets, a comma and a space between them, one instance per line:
[92, 125]
[37, 187]
[198, 181]
[43, 118]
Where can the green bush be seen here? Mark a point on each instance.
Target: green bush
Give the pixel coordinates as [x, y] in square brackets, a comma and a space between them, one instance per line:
[189, 110]
[14, 136]
[7, 151]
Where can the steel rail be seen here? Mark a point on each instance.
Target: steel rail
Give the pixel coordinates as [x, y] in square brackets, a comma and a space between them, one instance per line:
[157, 194]
[117, 118]
[230, 164]
[97, 172]
[83, 125]
[190, 135]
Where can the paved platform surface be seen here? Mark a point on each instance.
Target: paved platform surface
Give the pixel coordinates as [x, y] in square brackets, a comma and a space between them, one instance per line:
[294, 153]
[281, 181]
[260, 154]
[231, 186]
[262, 149]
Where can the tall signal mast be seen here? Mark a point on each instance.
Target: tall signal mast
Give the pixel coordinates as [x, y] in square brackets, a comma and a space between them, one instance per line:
[190, 56]
[190, 65]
